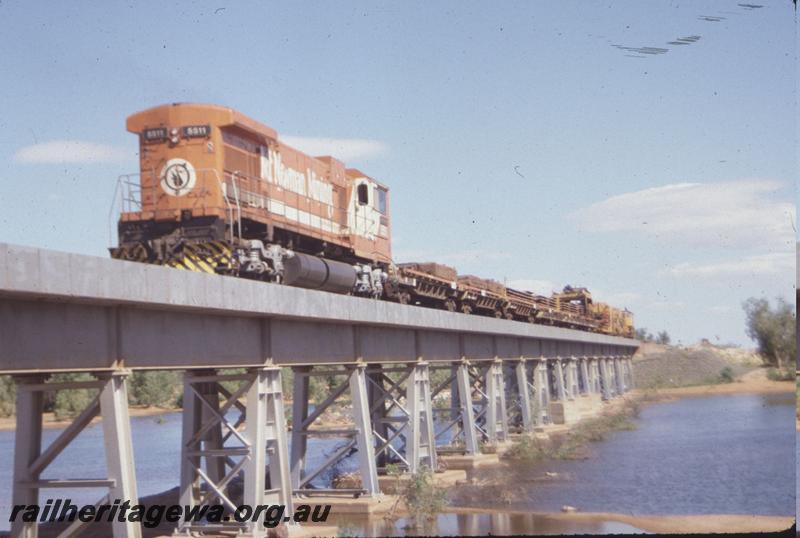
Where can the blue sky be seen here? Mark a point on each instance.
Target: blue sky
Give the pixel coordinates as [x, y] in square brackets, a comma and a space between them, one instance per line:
[519, 143]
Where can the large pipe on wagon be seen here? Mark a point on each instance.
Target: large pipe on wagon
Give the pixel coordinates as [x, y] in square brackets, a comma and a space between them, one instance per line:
[308, 271]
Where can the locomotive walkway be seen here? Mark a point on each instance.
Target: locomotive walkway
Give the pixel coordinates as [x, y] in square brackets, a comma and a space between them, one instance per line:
[72, 313]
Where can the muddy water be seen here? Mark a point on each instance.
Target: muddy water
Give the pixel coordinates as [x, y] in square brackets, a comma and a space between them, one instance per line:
[730, 454]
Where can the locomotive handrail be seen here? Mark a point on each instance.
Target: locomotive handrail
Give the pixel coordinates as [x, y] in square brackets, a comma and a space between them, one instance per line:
[120, 198]
[224, 193]
[238, 208]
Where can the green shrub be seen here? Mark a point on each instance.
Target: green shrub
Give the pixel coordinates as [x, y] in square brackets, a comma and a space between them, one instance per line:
[726, 375]
[573, 444]
[773, 374]
[423, 499]
[528, 449]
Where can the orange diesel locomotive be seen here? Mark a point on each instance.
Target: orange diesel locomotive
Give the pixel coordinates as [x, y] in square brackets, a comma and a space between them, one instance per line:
[219, 192]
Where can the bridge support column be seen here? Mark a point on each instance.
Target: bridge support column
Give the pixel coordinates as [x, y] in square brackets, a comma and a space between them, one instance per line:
[620, 375]
[376, 394]
[605, 381]
[27, 449]
[561, 392]
[572, 378]
[497, 418]
[542, 392]
[587, 385]
[364, 438]
[265, 433]
[300, 396]
[524, 395]
[629, 363]
[111, 403]
[617, 385]
[420, 441]
[468, 425]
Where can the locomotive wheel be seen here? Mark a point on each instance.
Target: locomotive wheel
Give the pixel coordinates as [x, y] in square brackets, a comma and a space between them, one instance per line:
[450, 305]
[466, 309]
[531, 319]
[498, 314]
[509, 316]
[403, 297]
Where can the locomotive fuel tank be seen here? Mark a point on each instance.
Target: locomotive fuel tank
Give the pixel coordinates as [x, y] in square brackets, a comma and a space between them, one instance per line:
[312, 272]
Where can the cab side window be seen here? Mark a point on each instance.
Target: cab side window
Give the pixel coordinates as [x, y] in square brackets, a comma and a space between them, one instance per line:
[363, 194]
[380, 200]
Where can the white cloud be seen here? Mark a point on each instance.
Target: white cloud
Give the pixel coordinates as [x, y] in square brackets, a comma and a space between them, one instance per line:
[741, 213]
[344, 149]
[71, 151]
[539, 287]
[762, 264]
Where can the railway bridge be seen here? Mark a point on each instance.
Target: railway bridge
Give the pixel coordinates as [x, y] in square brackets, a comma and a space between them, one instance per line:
[232, 338]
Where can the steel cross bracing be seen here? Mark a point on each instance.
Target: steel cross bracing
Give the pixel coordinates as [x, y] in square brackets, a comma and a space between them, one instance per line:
[487, 389]
[220, 456]
[358, 438]
[407, 418]
[519, 394]
[541, 387]
[460, 413]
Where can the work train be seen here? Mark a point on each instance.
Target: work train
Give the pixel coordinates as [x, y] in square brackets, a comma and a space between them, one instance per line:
[218, 192]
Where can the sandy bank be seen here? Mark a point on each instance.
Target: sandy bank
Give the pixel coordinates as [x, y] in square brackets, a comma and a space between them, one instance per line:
[711, 523]
[754, 382]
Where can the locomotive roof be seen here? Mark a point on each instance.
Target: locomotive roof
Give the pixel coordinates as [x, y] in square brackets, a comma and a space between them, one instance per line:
[221, 116]
[216, 114]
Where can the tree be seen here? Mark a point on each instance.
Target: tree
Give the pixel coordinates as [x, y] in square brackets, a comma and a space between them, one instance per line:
[642, 335]
[154, 388]
[773, 330]
[7, 395]
[70, 402]
[663, 338]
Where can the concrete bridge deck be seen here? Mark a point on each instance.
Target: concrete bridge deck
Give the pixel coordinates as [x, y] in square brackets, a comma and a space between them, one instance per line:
[68, 313]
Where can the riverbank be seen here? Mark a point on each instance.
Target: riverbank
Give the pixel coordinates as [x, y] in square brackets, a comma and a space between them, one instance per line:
[50, 421]
[752, 382]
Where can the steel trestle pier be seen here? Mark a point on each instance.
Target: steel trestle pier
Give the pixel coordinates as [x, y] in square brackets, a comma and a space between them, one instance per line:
[420, 382]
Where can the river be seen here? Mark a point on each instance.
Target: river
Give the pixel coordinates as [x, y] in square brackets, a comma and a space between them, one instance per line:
[730, 454]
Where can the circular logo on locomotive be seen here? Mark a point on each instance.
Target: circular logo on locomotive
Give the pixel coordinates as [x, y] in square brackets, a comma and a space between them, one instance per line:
[178, 177]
